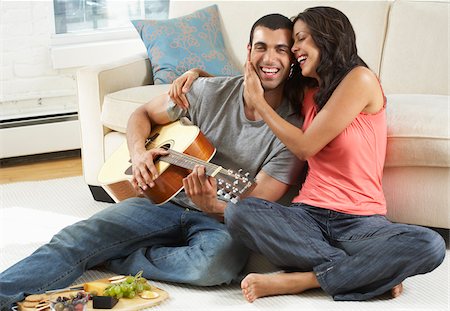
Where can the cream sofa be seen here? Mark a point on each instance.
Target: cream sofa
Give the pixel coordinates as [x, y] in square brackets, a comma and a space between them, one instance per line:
[405, 42]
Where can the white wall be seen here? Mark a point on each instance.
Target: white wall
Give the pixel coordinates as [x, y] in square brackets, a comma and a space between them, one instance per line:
[38, 75]
[29, 84]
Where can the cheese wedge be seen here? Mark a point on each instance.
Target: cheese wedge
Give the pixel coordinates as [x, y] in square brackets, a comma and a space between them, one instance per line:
[96, 288]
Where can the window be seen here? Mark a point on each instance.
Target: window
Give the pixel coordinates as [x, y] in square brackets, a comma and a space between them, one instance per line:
[83, 16]
[89, 32]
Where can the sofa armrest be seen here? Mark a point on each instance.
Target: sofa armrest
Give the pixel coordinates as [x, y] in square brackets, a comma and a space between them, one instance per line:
[93, 83]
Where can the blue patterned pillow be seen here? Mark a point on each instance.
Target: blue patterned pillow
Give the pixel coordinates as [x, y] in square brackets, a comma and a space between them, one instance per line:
[191, 41]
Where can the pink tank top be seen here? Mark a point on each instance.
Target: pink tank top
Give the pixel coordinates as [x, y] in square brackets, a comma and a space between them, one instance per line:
[345, 176]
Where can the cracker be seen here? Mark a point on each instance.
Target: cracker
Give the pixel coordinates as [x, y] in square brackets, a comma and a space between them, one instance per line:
[35, 297]
[30, 304]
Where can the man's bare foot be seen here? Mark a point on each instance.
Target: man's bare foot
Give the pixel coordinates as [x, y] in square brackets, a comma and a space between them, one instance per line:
[260, 285]
[397, 290]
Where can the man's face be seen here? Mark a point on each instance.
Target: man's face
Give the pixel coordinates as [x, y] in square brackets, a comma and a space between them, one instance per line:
[271, 56]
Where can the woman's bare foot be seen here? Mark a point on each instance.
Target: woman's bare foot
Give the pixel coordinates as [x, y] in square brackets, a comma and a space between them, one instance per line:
[397, 290]
[260, 285]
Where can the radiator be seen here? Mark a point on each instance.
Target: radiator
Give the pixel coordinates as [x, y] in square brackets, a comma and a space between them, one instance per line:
[40, 134]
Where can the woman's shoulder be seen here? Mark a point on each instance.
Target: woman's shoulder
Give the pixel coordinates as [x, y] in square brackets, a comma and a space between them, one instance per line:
[362, 75]
[369, 88]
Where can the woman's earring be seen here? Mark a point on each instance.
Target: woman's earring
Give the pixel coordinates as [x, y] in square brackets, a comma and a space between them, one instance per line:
[291, 71]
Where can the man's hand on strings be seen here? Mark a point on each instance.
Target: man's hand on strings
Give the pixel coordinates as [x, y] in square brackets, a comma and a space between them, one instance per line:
[144, 170]
[202, 190]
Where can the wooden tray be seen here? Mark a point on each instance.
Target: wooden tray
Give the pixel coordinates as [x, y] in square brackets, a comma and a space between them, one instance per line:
[124, 304]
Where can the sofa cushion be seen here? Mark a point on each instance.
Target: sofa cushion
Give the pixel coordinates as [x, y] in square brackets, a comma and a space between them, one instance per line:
[418, 130]
[415, 55]
[118, 106]
[179, 44]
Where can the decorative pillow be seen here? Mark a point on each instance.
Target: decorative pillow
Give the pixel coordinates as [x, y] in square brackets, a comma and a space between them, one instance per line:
[191, 41]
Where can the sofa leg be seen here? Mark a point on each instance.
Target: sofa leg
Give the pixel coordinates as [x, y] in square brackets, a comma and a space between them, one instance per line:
[100, 194]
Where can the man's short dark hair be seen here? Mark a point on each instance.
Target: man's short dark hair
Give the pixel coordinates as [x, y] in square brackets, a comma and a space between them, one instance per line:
[273, 22]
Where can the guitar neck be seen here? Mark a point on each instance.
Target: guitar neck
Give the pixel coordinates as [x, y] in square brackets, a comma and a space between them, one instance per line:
[188, 162]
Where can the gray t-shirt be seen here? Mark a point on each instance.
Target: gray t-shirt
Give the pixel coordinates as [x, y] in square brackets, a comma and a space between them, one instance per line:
[217, 108]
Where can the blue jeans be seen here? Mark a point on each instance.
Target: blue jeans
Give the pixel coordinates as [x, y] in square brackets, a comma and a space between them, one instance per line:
[167, 242]
[353, 257]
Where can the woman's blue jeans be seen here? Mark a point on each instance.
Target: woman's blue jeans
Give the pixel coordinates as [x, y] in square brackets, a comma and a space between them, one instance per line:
[353, 257]
[167, 242]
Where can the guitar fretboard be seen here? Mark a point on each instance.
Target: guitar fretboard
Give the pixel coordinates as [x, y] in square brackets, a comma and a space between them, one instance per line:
[188, 162]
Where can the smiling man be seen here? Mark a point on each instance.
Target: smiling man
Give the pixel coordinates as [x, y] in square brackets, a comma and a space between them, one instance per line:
[269, 50]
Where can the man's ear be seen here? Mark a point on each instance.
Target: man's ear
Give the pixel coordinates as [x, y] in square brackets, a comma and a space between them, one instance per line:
[249, 50]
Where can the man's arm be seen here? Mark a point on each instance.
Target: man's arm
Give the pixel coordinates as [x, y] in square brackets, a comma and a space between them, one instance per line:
[138, 129]
[268, 188]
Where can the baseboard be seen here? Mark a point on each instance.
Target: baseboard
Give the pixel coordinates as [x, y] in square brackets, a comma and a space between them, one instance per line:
[37, 135]
[36, 158]
[100, 194]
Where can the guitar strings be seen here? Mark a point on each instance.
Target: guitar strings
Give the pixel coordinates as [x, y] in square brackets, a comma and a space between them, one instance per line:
[208, 165]
[183, 156]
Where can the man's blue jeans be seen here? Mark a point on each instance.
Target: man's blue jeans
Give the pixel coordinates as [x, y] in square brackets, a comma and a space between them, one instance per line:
[353, 257]
[167, 242]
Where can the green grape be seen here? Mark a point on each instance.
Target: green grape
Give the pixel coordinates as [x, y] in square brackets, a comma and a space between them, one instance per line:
[117, 289]
[139, 287]
[129, 287]
[125, 287]
[110, 292]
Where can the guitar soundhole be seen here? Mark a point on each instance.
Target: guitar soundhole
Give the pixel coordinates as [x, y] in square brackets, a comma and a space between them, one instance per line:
[129, 170]
[165, 147]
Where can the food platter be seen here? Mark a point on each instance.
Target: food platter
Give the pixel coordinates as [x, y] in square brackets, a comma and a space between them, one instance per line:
[150, 298]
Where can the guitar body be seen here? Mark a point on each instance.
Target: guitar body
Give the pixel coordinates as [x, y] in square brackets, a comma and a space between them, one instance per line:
[116, 174]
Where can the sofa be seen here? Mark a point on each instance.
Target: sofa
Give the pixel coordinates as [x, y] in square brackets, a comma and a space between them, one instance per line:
[406, 43]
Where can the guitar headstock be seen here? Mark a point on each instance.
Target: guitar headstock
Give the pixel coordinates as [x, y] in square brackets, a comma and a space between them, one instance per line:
[232, 185]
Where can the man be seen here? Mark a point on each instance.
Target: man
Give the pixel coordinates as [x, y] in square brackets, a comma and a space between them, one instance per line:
[182, 240]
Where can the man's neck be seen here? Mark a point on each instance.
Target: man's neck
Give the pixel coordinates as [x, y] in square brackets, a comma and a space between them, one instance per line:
[273, 97]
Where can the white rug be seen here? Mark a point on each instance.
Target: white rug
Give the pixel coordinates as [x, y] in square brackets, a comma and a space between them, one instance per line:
[31, 212]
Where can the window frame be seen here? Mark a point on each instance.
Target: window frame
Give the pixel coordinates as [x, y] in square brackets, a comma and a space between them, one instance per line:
[69, 50]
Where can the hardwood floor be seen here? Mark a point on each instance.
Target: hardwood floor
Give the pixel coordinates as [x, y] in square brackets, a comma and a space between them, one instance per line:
[40, 169]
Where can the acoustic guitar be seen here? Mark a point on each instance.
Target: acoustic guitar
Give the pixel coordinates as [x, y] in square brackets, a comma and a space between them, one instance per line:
[187, 147]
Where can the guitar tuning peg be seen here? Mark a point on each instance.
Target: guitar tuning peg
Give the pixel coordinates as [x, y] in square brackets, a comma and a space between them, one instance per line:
[236, 182]
[235, 190]
[220, 181]
[247, 174]
[244, 180]
[220, 192]
[227, 196]
[234, 200]
[227, 186]
[238, 174]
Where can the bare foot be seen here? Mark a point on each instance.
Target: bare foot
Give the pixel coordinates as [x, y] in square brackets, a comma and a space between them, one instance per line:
[397, 290]
[260, 285]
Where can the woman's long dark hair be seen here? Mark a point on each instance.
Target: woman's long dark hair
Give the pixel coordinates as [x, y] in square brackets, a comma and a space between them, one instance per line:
[334, 36]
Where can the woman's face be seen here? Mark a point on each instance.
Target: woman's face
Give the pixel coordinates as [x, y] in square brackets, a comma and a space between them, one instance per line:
[305, 50]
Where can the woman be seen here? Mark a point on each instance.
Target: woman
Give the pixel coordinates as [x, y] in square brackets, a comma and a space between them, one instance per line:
[334, 235]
